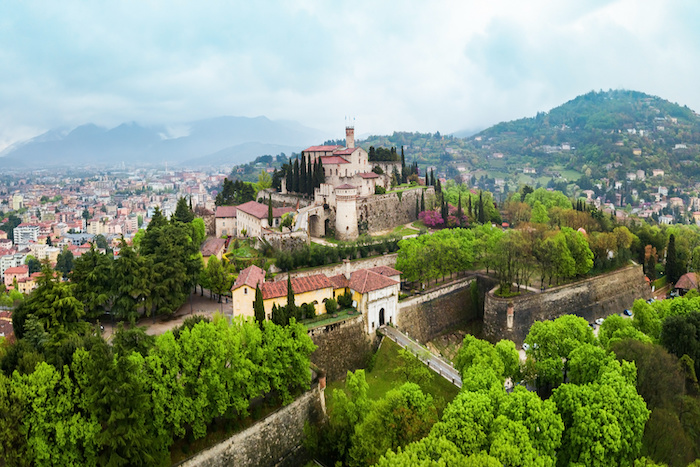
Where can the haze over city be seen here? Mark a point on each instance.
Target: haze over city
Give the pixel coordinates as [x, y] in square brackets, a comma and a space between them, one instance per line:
[413, 66]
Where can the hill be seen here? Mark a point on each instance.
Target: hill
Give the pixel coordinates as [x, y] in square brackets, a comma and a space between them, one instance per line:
[597, 135]
[232, 140]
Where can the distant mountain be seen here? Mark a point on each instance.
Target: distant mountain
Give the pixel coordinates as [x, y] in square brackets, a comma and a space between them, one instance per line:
[240, 154]
[222, 137]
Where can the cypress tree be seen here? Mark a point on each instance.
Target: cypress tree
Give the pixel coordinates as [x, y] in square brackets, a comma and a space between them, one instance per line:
[482, 215]
[295, 176]
[427, 178]
[291, 307]
[432, 177]
[460, 214]
[438, 186]
[258, 306]
[422, 200]
[309, 178]
[417, 207]
[302, 175]
[470, 205]
[321, 172]
[269, 211]
[289, 176]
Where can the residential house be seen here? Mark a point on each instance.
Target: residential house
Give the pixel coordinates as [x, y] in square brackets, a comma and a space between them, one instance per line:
[252, 217]
[16, 272]
[225, 221]
[213, 247]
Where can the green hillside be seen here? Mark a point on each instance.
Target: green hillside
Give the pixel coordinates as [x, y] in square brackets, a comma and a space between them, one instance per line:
[599, 135]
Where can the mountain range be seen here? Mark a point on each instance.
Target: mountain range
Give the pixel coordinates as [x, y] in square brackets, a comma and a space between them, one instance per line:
[210, 142]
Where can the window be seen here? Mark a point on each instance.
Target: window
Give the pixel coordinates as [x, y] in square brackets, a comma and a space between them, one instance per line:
[245, 291]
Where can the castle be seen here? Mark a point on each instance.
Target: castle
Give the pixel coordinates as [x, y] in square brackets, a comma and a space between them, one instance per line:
[349, 183]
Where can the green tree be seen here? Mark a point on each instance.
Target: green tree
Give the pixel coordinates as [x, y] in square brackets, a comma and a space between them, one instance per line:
[258, 306]
[539, 213]
[604, 419]
[92, 276]
[183, 213]
[64, 262]
[404, 415]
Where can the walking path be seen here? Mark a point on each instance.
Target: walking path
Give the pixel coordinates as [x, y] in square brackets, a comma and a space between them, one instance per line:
[195, 305]
[434, 362]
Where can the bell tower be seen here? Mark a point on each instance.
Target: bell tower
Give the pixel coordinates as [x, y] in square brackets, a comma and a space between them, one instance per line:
[349, 136]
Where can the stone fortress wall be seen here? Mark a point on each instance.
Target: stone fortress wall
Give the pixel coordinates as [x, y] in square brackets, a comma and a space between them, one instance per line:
[590, 299]
[384, 212]
[343, 346]
[275, 440]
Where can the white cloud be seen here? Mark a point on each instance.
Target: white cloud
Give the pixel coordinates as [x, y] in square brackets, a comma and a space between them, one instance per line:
[416, 66]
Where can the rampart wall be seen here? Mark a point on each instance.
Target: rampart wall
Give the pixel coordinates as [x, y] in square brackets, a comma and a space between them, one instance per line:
[592, 298]
[343, 346]
[384, 212]
[275, 440]
[426, 316]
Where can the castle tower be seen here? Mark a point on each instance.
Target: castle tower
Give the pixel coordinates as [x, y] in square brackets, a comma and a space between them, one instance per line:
[346, 212]
[349, 136]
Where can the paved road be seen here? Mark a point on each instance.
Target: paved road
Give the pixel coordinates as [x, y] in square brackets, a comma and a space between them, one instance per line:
[434, 362]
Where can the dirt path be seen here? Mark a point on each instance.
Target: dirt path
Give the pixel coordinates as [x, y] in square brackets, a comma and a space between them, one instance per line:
[195, 305]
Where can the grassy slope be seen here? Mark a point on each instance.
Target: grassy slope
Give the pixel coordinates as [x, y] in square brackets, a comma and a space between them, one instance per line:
[383, 378]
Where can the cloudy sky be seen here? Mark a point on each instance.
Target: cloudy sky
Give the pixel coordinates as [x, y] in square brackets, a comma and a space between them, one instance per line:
[414, 65]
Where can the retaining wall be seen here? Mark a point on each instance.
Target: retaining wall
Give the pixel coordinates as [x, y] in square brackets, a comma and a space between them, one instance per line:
[343, 346]
[592, 298]
[275, 440]
[426, 316]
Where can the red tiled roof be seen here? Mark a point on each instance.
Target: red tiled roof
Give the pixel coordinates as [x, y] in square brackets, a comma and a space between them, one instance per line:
[250, 276]
[23, 269]
[259, 210]
[688, 281]
[385, 271]
[225, 211]
[333, 160]
[213, 246]
[6, 325]
[364, 281]
[322, 148]
[345, 151]
[368, 175]
[339, 281]
[299, 285]
[254, 208]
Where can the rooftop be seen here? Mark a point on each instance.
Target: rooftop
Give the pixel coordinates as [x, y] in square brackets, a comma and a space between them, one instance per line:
[299, 285]
[225, 211]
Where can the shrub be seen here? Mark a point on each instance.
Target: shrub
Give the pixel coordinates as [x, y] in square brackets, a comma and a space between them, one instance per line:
[331, 305]
[345, 300]
[379, 190]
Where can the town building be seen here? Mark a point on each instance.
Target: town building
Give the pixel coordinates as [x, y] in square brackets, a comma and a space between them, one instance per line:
[374, 291]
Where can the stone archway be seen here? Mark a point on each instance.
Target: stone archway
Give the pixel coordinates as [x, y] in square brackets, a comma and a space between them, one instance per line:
[316, 226]
[382, 321]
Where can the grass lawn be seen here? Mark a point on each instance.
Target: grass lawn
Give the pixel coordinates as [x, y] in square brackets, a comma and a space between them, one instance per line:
[403, 230]
[418, 224]
[383, 378]
[324, 319]
[660, 282]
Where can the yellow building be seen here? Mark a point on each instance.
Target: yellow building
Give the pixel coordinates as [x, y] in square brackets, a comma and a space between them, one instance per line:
[375, 292]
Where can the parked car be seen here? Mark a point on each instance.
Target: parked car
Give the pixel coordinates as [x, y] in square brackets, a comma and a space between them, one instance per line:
[627, 312]
[599, 321]
[526, 347]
